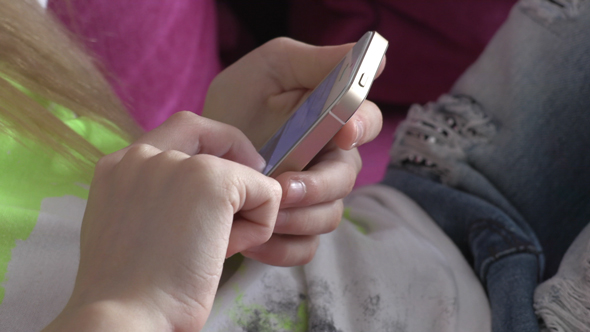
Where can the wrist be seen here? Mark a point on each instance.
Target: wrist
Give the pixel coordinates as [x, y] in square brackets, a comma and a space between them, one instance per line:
[109, 316]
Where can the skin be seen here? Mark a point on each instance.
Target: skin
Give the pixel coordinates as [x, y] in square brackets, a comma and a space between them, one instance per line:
[164, 213]
[273, 80]
[158, 256]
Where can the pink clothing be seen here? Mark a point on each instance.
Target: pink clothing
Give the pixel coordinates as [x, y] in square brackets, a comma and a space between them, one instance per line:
[160, 55]
[430, 42]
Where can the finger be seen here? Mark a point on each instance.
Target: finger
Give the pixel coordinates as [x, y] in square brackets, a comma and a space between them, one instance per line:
[362, 127]
[381, 67]
[331, 177]
[285, 250]
[296, 64]
[193, 134]
[109, 161]
[305, 65]
[313, 220]
[247, 234]
[135, 155]
[255, 199]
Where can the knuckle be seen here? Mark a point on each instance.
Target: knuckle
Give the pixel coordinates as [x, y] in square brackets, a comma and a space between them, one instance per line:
[139, 149]
[136, 158]
[230, 131]
[136, 153]
[182, 117]
[104, 164]
[278, 42]
[204, 165]
[167, 156]
[276, 52]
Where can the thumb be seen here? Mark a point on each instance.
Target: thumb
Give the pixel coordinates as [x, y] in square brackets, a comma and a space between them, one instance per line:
[256, 199]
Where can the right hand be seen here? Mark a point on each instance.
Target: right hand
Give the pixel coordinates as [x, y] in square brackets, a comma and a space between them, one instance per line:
[160, 223]
[257, 94]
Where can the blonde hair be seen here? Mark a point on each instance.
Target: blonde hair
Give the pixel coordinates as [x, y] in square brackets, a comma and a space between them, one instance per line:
[38, 54]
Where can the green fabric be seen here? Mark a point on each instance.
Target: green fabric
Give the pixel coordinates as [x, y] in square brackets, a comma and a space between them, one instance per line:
[28, 174]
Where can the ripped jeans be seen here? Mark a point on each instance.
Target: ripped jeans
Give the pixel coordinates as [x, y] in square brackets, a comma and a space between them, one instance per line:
[502, 163]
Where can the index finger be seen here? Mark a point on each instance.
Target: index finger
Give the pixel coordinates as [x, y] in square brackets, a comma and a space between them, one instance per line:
[193, 134]
[295, 65]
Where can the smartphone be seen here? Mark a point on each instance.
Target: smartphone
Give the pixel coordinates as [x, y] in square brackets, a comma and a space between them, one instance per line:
[329, 106]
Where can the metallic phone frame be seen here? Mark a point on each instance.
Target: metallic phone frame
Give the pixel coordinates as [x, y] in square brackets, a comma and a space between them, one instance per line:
[339, 112]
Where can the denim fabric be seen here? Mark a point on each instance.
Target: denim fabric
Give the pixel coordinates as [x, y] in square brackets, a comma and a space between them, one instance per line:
[502, 162]
[506, 258]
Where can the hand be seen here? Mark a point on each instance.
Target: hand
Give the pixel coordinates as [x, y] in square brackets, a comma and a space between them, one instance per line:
[257, 94]
[158, 226]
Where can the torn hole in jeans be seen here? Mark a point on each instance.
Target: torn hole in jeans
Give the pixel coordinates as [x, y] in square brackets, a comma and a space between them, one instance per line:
[433, 138]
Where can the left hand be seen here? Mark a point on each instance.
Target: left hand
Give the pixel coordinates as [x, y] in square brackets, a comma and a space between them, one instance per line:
[257, 94]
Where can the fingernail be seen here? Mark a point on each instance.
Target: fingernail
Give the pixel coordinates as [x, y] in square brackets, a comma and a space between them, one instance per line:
[295, 192]
[359, 133]
[260, 164]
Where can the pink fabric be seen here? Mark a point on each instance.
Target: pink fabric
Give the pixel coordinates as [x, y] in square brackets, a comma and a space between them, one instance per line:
[430, 42]
[160, 55]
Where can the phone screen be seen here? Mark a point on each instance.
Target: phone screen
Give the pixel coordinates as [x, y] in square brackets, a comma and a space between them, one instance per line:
[317, 104]
[303, 119]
